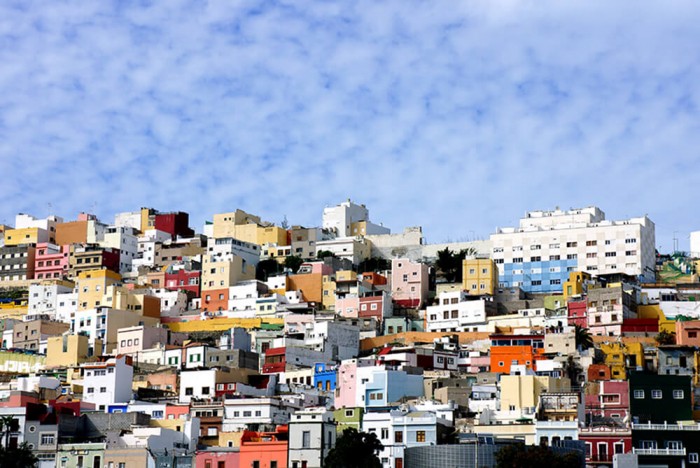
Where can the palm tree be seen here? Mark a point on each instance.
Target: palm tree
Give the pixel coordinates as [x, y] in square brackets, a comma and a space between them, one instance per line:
[584, 340]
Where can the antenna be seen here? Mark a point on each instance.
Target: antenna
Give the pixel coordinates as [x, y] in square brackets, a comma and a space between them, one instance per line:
[50, 208]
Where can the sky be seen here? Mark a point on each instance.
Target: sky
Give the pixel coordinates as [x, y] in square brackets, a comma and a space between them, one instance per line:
[457, 116]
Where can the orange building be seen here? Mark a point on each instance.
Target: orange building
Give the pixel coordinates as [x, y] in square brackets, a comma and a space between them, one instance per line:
[310, 284]
[510, 350]
[374, 278]
[688, 333]
[264, 449]
[598, 372]
[215, 299]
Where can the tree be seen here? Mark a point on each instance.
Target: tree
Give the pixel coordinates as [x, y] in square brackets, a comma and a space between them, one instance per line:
[324, 254]
[20, 457]
[572, 369]
[267, 268]
[373, 264]
[666, 338]
[522, 456]
[355, 449]
[293, 262]
[584, 340]
[450, 263]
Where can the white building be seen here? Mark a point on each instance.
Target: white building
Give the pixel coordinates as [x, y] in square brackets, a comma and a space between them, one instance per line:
[398, 430]
[108, 382]
[222, 247]
[126, 240]
[67, 304]
[243, 297]
[44, 298]
[342, 219]
[695, 244]
[241, 413]
[354, 249]
[459, 312]
[539, 254]
[312, 434]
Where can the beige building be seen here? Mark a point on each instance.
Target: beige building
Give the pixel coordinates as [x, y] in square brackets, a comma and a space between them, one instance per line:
[70, 350]
[522, 392]
[224, 272]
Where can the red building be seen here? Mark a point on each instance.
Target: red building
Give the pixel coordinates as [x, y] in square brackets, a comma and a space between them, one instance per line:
[640, 326]
[507, 350]
[374, 305]
[176, 224]
[275, 361]
[577, 313]
[183, 279]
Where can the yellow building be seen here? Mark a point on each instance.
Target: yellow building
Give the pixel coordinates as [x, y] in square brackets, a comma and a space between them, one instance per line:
[31, 235]
[70, 350]
[523, 391]
[620, 357]
[92, 285]
[271, 235]
[126, 299]
[576, 284]
[479, 276]
[654, 311]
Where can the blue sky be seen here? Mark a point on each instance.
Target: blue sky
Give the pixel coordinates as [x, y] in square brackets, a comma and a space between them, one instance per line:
[457, 116]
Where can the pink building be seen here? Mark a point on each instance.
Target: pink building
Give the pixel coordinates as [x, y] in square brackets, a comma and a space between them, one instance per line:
[409, 282]
[348, 306]
[218, 457]
[347, 388]
[688, 333]
[611, 401]
[51, 261]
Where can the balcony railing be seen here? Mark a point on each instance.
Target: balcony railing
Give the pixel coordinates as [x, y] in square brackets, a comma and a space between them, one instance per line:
[658, 451]
[666, 427]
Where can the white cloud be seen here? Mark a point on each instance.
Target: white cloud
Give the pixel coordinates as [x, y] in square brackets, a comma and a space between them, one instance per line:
[458, 119]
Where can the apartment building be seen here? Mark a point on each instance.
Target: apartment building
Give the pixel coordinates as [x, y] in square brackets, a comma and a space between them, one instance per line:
[539, 254]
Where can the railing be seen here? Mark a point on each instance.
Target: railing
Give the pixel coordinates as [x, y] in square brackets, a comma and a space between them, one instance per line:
[658, 451]
[666, 427]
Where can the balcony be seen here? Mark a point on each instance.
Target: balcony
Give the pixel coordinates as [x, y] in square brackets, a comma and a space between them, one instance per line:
[660, 452]
[666, 427]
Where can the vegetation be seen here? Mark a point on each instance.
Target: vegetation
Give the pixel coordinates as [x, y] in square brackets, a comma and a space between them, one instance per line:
[355, 449]
[267, 268]
[293, 262]
[374, 264]
[324, 254]
[20, 457]
[584, 340]
[521, 456]
[665, 338]
[450, 263]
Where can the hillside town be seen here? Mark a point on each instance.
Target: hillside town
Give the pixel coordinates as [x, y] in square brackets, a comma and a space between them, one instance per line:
[143, 341]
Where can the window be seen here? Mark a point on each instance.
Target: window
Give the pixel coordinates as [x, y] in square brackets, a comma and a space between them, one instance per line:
[306, 439]
[535, 247]
[398, 437]
[571, 257]
[518, 260]
[678, 394]
[630, 241]
[572, 244]
[205, 390]
[47, 439]
[189, 391]
[536, 259]
[555, 281]
[630, 253]
[639, 394]
[611, 254]
[591, 255]
[420, 436]
[656, 394]
[555, 257]
[90, 390]
[385, 433]
[693, 457]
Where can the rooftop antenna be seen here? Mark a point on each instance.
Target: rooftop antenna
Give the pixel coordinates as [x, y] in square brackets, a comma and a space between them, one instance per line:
[50, 207]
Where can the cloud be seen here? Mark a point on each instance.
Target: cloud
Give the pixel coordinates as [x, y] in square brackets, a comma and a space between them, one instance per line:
[456, 118]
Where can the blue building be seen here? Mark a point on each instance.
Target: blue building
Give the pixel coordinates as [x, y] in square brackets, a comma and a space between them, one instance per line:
[325, 377]
[537, 277]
